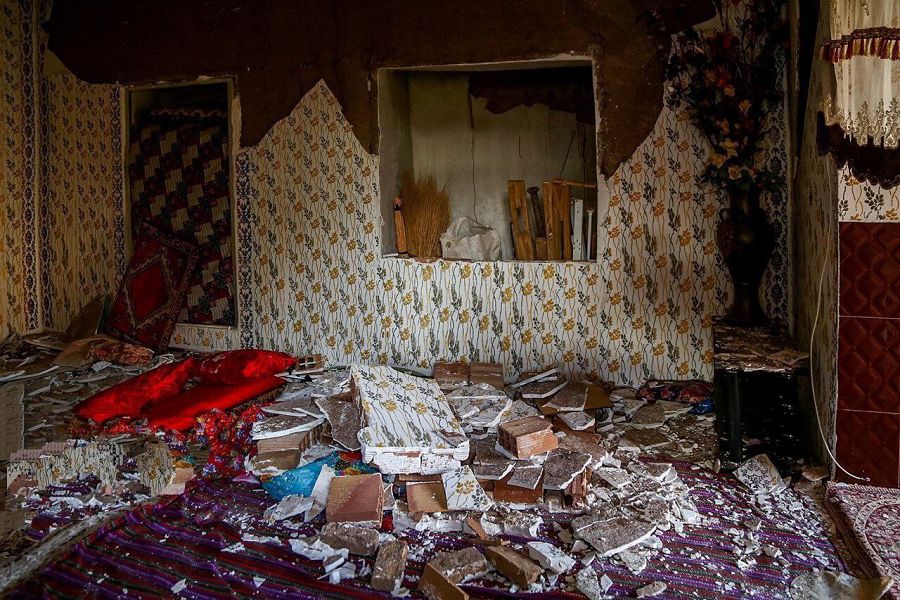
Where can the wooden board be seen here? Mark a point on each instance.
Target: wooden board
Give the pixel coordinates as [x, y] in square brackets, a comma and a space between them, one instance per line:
[562, 201]
[400, 228]
[521, 225]
[550, 224]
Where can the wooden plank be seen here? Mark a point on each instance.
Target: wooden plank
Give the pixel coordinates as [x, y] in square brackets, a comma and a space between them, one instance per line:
[400, 228]
[550, 222]
[521, 226]
[562, 201]
[540, 248]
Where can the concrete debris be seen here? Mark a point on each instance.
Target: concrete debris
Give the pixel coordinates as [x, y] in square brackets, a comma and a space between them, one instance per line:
[654, 589]
[562, 466]
[587, 583]
[461, 566]
[387, 574]
[633, 561]
[434, 585]
[550, 557]
[651, 415]
[361, 541]
[577, 421]
[611, 536]
[514, 565]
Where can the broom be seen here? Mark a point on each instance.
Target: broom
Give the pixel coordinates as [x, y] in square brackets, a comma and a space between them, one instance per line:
[426, 214]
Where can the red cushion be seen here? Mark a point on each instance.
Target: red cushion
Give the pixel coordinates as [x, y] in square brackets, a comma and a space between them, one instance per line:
[130, 396]
[241, 366]
[180, 412]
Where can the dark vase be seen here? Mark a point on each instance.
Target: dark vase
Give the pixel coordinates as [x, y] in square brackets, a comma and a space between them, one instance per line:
[746, 241]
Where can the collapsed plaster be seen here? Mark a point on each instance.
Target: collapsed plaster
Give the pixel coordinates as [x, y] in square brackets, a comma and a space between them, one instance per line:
[276, 51]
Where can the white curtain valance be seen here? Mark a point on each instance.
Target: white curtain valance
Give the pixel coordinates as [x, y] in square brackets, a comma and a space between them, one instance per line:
[865, 50]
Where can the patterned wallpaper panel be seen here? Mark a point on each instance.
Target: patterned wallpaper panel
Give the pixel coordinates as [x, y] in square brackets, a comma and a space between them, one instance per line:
[311, 276]
[862, 201]
[12, 163]
[317, 282]
[84, 195]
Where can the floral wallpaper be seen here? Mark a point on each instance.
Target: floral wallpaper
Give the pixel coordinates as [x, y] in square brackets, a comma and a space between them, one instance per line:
[83, 196]
[12, 164]
[311, 276]
[316, 281]
[862, 201]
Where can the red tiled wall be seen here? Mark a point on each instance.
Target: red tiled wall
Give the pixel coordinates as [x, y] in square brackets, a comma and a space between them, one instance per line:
[868, 419]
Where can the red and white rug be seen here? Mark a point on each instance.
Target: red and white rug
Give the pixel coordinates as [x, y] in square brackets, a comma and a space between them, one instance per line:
[869, 520]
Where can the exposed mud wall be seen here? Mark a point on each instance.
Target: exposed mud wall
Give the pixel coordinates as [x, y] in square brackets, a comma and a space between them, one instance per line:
[277, 50]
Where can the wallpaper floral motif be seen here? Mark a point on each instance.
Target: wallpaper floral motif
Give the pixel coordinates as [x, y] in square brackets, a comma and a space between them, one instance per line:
[84, 198]
[319, 283]
[312, 279]
[861, 201]
[12, 164]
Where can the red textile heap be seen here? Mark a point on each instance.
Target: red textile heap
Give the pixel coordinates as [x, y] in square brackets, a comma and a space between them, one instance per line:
[130, 396]
[180, 412]
[243, 366]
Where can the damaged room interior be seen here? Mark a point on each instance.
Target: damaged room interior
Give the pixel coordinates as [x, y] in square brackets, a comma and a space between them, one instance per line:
[449, 300]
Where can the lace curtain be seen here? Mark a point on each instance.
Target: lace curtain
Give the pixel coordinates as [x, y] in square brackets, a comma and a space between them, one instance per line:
[865, 50]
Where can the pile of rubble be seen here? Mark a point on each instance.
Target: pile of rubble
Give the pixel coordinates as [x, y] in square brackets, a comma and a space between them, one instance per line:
[463, 452]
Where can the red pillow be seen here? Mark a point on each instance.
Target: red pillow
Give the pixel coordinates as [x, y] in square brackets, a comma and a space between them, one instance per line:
[180, 412]
[127, 398]
[241, 366]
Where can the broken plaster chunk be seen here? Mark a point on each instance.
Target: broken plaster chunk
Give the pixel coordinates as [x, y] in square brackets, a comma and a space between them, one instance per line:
[577, 421]
[550, 557]
[526, 476]
[521, 524]
[434, 585]
[611, 536]
[514, 565]
[461, 566]
[387, 574]
[315, 550]
[759, 475]
[463, 491]
[320, 492]
[288, 507]
[587, 583]
[651, 415]
[654, 589]
[633, 561]
[563, 466]
[644, 438]
[361, 541]
[345, 419]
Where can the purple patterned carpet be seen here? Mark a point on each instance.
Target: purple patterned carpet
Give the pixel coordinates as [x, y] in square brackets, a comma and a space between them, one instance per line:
[213, 542]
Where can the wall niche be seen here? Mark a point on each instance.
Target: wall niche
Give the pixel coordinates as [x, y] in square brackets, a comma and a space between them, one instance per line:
[474, 129]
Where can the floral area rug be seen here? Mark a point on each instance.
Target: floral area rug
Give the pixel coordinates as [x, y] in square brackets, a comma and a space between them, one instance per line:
[869, 520]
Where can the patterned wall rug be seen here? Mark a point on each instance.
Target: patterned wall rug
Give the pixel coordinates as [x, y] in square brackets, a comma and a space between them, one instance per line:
[869, 519]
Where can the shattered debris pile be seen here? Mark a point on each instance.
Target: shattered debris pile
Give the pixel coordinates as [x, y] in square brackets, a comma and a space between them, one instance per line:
[464, 453]
[386, 479]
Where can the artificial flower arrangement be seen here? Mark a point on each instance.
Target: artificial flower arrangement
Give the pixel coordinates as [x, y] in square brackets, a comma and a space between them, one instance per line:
[728, 81]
